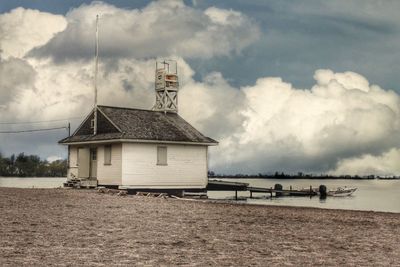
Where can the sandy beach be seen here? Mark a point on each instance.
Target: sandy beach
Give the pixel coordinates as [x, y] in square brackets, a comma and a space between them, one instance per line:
[82, 227]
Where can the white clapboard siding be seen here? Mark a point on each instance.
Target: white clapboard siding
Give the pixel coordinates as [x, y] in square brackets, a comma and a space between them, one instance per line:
[109, 174]
[186, 166]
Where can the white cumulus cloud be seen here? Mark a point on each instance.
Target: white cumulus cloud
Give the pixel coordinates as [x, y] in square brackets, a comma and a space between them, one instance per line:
[34, 87]
[342, 124]
[283, 127]
[23, 29]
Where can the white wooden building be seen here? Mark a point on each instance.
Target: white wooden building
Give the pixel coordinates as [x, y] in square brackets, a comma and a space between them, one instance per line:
[141, 149]
[138, 149]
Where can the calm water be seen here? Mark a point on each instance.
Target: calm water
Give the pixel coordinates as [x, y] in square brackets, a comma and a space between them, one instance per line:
[36, 182]
[376, 195]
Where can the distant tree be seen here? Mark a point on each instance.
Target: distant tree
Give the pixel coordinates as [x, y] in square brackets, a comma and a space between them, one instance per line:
[57, 168]
[22, 165]
[31, 166]
[2, 165]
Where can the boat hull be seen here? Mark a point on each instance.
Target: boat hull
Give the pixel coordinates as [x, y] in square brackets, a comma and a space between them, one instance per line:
[341, 192]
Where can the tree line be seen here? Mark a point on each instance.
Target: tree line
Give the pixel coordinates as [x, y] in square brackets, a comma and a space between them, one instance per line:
[31, 166]
[299, 175]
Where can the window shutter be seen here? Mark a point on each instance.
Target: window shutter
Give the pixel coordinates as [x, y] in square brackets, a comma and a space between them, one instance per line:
[107, 155]
[161, 155]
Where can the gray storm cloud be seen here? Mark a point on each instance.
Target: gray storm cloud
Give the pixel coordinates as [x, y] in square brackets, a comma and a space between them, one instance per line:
[162, 28]
[17, 75]
[342, 124]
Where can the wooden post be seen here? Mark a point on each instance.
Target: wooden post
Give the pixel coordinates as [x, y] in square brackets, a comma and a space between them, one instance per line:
[251, 194]
[69, 149]
[235, 194]
[271, 192]
[290, 188]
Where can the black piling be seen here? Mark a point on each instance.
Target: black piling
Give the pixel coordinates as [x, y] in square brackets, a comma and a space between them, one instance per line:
[278, 187]
[322, 191]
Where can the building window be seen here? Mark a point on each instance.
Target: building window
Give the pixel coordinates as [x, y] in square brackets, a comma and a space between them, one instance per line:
[107, 155]
[93, 153]
[92, 124]
[161, 155]
[77, 156]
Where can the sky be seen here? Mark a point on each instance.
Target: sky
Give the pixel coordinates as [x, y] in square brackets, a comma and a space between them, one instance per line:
[294, 86]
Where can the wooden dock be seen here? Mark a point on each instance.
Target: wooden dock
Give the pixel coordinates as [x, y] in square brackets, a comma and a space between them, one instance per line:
[281, 192]
[218, 185]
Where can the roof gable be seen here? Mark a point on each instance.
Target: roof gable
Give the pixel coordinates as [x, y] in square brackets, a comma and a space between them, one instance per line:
[85, 127]
[104, 125]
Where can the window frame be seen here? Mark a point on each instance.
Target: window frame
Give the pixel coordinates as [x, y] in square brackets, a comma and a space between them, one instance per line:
[77, 156]
[93, 154]
[107, 162]
[159, 158]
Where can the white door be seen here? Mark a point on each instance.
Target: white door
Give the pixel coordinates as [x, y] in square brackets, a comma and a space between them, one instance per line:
[83, 162]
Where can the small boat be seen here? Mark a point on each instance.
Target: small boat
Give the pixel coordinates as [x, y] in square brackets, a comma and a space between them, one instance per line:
[341, 192]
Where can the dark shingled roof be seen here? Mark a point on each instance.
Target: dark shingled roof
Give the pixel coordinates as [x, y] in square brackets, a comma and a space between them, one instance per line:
[139, 124]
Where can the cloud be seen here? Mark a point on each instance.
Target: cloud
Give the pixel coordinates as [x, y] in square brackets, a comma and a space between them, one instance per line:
[336, 125]
[23, 29]
[340, 117]
[16, 76]
[210, 102]
[162, 28]
[128, 39]
[53, 158]
[386, 164]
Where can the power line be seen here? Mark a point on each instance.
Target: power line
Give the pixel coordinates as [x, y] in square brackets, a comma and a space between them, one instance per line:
[33, 130]
[29, 122]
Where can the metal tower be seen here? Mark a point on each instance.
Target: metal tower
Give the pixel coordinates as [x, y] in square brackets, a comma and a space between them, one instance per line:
[166, 86]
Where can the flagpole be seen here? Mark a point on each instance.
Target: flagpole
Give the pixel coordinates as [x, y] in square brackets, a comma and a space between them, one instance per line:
[95, 75]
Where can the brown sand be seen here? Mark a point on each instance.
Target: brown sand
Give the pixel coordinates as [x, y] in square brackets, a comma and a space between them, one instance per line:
[82, 227]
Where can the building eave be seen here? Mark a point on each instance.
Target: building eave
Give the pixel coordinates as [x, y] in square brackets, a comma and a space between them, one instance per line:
[138, 141]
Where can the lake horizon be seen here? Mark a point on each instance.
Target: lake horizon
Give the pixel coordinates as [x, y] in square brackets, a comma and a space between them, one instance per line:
[381, 195]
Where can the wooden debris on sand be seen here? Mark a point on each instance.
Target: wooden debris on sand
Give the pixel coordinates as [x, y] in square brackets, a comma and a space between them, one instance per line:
[152, 194]
[117, 192]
